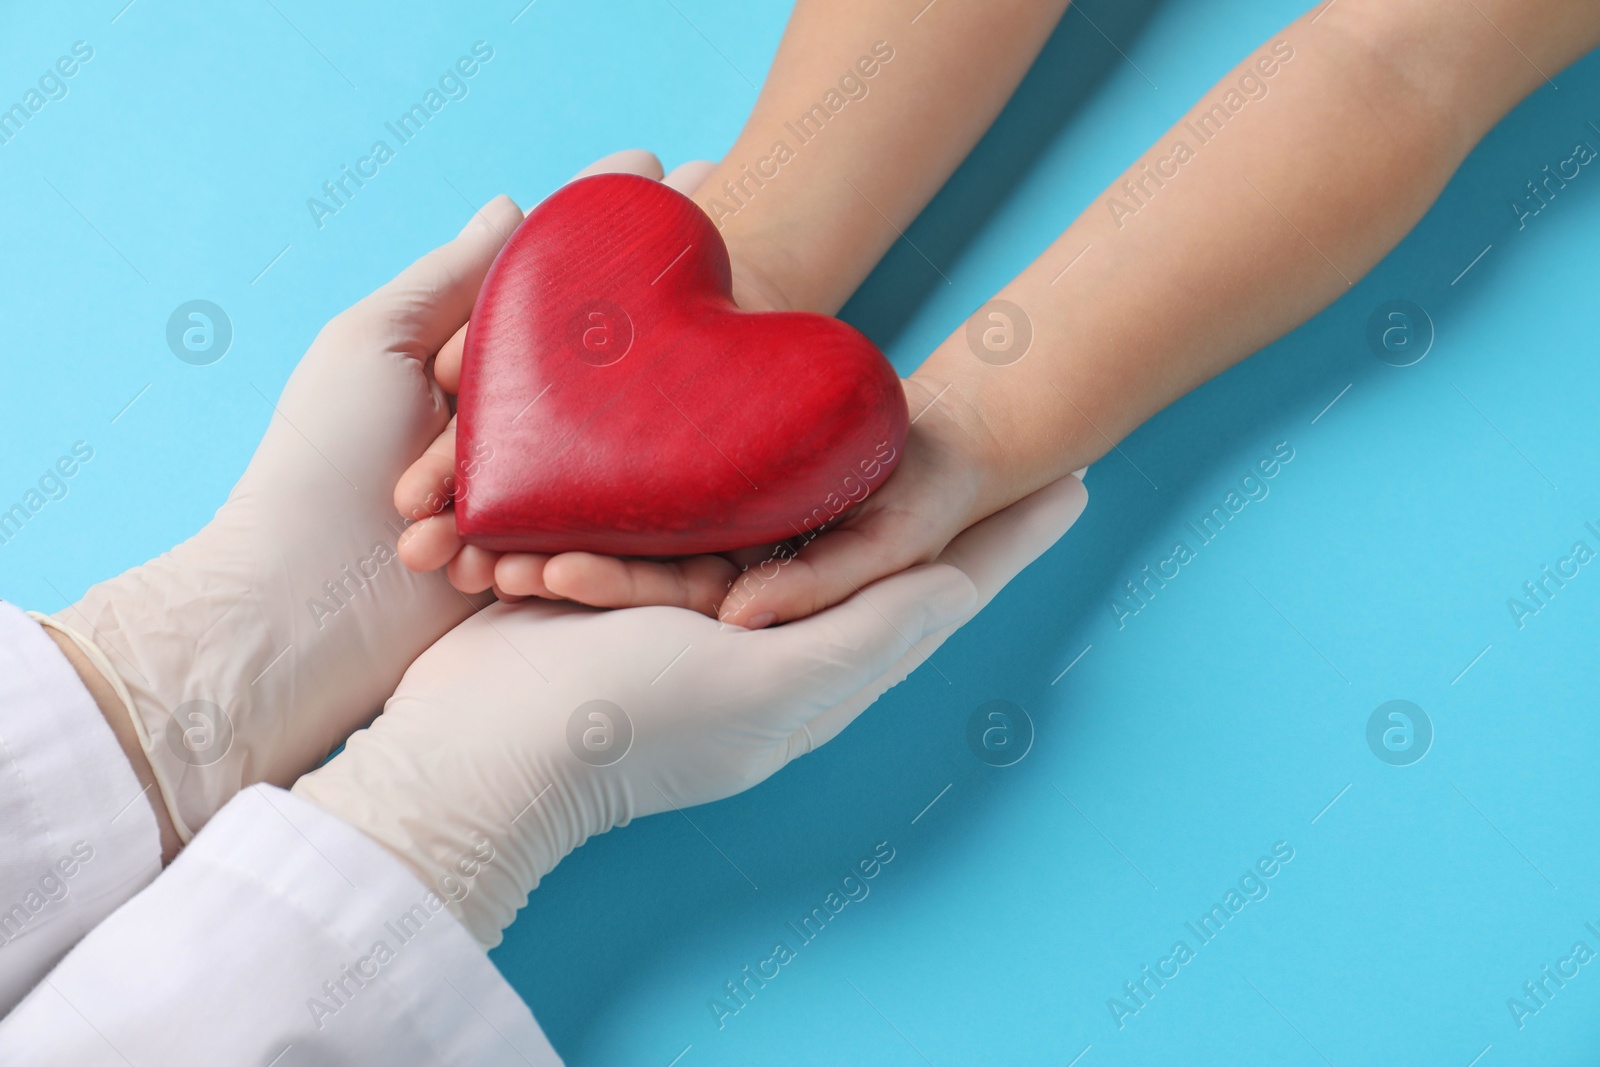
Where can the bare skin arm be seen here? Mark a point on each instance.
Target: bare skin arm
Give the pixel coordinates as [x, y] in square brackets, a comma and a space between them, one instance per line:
[1299, 195]
[1289, 187]
[808, 237]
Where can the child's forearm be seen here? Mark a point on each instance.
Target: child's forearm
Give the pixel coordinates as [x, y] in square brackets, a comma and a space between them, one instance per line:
[1244, 221]
[868, 108]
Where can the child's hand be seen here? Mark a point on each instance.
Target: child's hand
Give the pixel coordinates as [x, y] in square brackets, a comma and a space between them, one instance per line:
[938, 490]
[941, 487]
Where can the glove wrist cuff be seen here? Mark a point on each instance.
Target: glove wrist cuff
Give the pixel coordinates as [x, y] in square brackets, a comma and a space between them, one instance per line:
[113, 678]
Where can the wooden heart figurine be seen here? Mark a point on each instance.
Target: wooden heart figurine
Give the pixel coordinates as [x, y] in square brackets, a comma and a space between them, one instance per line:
[614, 399]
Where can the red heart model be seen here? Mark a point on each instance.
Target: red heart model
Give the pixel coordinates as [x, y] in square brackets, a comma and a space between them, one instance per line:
[614, 399]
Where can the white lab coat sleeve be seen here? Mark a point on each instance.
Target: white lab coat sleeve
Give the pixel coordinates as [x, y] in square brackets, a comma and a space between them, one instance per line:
[77, 837]
[281, 935]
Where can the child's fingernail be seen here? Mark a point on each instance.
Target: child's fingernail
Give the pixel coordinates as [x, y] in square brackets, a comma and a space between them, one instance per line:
[762, 621]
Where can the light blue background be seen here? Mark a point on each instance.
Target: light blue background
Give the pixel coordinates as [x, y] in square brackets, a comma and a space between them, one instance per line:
[1223, 718]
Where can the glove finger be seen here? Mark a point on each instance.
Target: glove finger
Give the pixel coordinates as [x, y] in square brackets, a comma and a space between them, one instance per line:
[798, 744]
[831, 723]
[447, 367]
[417, 312]
[996, 550]
[427, 485]
[431, 543]
[838, 651]
[687, 177]
[991, 553]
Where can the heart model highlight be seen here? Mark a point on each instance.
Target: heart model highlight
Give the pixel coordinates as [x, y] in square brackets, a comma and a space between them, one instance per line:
[614, 399]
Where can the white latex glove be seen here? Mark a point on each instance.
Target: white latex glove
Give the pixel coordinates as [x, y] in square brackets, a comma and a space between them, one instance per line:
[250, 651]
[531, 727]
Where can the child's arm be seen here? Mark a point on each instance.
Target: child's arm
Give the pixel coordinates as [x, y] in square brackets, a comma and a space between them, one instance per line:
[940, 72]
[875, 103]
[1369, 108]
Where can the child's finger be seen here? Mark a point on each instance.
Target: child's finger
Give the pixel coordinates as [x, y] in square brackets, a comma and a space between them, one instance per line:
[522, 574]
[830, 569]
[687, 177]
[990, 553]
[447, 367]
[472, 569]
[867, 636]
[996, 550]
[429, 544]
[427, 485]
[694, 582]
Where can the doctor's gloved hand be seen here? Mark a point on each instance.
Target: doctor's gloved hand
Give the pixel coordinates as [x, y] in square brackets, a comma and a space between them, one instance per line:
[532, 727]
[250, 651]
